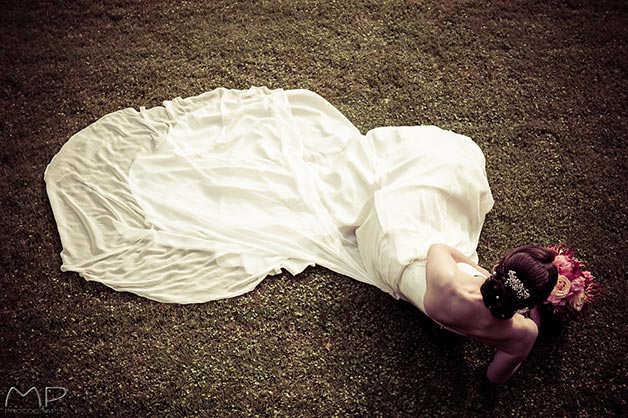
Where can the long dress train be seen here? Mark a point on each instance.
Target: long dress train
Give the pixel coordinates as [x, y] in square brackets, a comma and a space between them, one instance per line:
[201, 198]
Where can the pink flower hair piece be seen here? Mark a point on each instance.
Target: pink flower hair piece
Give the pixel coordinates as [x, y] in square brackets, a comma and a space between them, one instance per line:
[576, 288]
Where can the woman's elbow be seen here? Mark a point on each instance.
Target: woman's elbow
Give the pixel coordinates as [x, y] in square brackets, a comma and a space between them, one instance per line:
[503, 367]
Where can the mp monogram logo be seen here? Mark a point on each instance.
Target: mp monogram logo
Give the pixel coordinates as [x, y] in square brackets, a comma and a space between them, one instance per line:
[13, 403]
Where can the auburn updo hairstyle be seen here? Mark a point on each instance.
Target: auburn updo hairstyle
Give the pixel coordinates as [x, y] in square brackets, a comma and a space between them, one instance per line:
[533, 267]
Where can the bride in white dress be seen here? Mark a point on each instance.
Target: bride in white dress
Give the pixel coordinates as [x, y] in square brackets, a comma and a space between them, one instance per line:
[204, 197]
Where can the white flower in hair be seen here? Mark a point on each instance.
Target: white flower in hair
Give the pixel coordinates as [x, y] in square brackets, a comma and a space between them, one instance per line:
[517, 285]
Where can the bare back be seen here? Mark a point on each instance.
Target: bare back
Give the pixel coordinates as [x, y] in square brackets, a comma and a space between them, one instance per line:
[453, 299]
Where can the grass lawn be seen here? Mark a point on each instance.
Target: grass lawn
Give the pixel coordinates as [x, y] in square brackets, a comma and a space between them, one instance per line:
[542, 87]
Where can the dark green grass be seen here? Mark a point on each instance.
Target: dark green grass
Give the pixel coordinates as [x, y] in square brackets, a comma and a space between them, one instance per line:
[542, 86]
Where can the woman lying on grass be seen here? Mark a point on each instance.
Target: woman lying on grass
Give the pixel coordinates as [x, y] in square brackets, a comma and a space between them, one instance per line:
[204, 197]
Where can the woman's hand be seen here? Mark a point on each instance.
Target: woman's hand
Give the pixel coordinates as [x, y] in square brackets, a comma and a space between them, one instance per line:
[536, 315]
[484, 271]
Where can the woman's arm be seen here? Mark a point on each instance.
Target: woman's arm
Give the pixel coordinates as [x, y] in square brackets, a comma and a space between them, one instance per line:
[507, 361]
[536, 315]
[513, 343]
[502, 367]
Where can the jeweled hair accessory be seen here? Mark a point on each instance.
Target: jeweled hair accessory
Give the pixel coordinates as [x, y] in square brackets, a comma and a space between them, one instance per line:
[517, 285]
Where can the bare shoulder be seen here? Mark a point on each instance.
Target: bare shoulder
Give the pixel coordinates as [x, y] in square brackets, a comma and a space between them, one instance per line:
[515, 336]
[439, 262]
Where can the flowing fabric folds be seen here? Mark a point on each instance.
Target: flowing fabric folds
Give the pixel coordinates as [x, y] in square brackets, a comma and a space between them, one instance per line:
[203, 197]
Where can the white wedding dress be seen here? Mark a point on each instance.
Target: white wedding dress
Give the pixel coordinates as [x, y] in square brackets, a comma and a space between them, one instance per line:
[204, 197]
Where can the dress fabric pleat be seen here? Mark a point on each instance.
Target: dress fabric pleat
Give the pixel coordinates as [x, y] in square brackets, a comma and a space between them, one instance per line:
[202, 198]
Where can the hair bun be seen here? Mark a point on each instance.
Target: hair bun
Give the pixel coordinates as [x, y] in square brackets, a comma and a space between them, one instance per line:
[497, 298]
[524, 277]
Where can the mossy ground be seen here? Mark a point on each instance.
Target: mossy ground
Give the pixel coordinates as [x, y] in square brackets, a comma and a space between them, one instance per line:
[542, 86]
